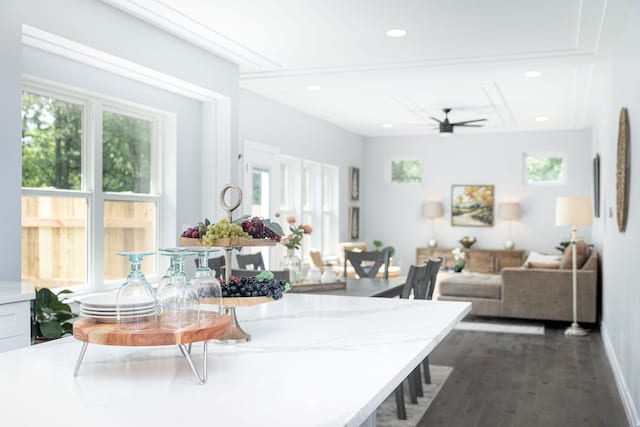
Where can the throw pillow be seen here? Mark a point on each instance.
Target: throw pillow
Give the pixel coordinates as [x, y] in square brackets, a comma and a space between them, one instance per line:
[538, 258]
[581, 256]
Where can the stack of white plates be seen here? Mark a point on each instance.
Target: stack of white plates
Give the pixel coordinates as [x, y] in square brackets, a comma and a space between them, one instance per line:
[104, 308]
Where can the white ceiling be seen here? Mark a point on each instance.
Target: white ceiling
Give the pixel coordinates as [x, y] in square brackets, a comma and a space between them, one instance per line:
[466, 54]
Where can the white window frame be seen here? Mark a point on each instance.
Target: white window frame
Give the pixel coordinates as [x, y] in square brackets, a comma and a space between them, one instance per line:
[317, 210]
[93, 107]
[565, 168]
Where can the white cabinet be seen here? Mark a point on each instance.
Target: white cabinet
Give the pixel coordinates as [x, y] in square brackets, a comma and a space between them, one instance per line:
[15, 313]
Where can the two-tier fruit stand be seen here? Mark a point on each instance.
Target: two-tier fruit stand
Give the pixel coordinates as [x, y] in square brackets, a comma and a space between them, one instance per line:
[237, 334]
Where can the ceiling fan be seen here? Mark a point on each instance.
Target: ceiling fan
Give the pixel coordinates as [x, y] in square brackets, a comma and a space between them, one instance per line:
[446, 127]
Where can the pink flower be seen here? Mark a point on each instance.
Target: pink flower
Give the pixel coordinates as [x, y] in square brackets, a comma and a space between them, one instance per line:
[307, 229]
[291, 219]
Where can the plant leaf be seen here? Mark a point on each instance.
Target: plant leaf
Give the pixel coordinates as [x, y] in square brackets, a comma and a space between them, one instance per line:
[276, 228]
[51, 329]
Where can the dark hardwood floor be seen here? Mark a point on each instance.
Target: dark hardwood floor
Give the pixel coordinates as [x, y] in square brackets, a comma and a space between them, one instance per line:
[525, 380]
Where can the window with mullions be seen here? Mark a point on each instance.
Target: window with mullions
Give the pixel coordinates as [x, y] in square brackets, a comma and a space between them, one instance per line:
[64, 206]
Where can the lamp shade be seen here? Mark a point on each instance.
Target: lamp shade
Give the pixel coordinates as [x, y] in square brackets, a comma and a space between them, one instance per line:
[509, 210]
[573, 211]
[432, 210]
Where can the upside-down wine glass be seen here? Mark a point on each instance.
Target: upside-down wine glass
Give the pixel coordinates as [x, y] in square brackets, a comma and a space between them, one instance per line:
[136, 301]
[206, 284]
[179, 306]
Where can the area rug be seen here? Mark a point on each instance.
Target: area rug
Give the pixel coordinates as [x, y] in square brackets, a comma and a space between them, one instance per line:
[386, 415]
[500, 326]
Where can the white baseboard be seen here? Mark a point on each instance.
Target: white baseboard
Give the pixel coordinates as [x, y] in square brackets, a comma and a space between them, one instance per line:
[627, 401]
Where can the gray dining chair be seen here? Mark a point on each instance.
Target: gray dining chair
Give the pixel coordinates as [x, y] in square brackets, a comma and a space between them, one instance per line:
[216, 264]
[417, 275]
[255, 260]
[367, 264]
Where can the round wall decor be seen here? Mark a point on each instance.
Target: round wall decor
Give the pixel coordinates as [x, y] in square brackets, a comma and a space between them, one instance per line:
[622, 172]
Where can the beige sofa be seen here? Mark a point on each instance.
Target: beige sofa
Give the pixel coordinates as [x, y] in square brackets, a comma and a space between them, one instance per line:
[527, 293]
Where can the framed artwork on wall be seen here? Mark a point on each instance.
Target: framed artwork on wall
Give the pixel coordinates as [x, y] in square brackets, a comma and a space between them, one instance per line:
[354, 223]
[354, 184]
[472, 205]
[622, 171]
[596, 186]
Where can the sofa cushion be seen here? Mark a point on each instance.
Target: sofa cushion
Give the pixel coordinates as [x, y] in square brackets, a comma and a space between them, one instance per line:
[472, 286]
[581, 256]
[539, 260]
[592, 262]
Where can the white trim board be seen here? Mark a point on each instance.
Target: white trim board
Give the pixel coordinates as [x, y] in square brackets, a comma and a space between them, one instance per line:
[627, 400]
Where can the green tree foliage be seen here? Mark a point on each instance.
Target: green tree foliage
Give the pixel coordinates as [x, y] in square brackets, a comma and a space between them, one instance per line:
[544, 169]
[406, 171]
[51, 142]
[126, 153]
[52, 147]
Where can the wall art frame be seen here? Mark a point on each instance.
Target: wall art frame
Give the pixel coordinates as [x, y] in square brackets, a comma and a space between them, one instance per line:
[472, 205]
[622, 171]
[354, 183]
[354, 222]
[596, 186]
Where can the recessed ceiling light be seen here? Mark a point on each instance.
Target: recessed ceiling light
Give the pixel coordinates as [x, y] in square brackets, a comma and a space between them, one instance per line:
[313, 87]
[387, 125]
[542, 119]
[533, 74]
[397, 33]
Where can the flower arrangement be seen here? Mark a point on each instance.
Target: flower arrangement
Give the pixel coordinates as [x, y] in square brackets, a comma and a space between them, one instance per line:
[467, 241]
[459, 256]
[293, 240]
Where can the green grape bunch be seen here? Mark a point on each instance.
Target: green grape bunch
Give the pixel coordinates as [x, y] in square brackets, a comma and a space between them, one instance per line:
[223, 229]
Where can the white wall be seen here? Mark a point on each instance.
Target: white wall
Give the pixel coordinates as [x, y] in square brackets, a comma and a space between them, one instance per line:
[620, 283]
[301, 135]
[10, 130]
[102, 27]
[392, 212]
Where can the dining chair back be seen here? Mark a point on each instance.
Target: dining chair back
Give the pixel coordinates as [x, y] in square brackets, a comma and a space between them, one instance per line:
[215, 263]
[425, 288]
[416, 276]
[255, 260]
[367, 264]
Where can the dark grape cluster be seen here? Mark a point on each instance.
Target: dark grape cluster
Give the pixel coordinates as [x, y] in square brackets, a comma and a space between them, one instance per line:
[256, 228]
[253, 287]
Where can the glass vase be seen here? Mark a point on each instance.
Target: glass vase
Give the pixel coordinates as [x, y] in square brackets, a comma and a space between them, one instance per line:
[292, 263]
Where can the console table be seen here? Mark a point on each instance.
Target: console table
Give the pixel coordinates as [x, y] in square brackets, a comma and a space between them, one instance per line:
[490, 261]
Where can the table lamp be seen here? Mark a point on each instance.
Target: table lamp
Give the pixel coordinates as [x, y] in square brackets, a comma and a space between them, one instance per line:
[509, 211]
[574, 211]
[432, 210]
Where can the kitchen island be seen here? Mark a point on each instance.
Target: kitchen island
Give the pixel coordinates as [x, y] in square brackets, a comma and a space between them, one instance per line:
[314, 360]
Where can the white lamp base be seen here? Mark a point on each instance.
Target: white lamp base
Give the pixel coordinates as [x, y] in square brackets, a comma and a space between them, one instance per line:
[575, 331]
[433, 243]
[509, 244]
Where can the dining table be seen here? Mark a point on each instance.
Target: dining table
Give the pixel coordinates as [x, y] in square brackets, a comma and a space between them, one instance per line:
[365, 287]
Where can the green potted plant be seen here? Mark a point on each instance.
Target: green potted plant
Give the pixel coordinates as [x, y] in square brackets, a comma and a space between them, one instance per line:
[381, 247]
[50, 316]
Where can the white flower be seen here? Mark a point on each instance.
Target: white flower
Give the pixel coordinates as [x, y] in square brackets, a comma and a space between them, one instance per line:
[458, 255]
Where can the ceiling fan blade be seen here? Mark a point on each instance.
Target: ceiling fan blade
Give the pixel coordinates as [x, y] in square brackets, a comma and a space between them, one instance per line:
[433, 118]
[468, 121]
[471, 126]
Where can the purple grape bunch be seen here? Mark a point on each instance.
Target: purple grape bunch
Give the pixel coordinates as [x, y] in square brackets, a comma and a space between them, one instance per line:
[256, 228]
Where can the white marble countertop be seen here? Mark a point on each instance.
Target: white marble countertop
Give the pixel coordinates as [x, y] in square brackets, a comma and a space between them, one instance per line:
[16, 291]
[314, 360]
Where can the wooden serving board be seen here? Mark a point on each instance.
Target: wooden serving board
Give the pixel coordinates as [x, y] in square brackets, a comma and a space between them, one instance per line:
[316, 287]
[232, 242]
[238, 301]
[91, 331]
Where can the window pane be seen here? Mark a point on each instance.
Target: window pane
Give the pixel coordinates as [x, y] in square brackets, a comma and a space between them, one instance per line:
[54, 241]
[126, 153]
[128, 226]
[406, 171]
[544, 169]
[51, 142]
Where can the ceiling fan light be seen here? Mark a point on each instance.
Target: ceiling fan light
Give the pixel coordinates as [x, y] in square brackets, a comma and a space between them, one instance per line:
[446, 134]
